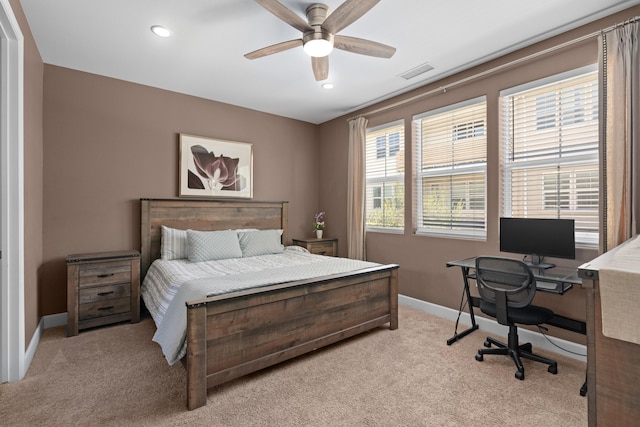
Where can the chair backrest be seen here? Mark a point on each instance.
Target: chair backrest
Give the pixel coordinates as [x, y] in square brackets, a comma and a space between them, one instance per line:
[497, 277]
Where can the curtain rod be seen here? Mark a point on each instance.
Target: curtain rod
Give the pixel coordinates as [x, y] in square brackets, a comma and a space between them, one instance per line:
[497, 68]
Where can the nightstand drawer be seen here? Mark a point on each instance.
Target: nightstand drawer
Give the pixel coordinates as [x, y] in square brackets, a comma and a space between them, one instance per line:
[104, 274]
[102, 293]
[322, 248]
[104, 308]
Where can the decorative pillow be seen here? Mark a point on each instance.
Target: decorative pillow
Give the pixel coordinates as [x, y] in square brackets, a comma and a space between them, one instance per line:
[213, 245]
[263, 242]
[173, 244]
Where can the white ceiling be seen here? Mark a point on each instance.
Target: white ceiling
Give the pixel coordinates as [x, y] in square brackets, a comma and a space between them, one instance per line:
[204, 57]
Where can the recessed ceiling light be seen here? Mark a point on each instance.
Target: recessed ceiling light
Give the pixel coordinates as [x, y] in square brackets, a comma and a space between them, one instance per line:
[161, 31]
[327, 85]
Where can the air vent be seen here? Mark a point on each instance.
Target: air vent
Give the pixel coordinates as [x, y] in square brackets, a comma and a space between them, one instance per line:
[420, 69]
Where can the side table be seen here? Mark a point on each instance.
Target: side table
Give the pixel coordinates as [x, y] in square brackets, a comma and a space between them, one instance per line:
[324, 246]
[102, 288]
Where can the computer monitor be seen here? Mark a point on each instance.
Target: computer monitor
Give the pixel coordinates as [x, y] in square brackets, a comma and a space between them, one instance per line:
[538, 238]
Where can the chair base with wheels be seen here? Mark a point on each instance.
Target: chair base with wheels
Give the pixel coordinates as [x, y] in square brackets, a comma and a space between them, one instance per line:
[516, 351]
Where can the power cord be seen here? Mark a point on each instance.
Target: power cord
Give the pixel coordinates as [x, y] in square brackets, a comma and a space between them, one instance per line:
[542, 330]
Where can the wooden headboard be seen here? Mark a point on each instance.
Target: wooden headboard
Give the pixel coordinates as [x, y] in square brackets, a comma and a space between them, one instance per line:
[204, 215]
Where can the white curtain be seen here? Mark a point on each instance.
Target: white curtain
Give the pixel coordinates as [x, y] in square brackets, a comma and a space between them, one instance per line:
[620, 150]
[356, 190]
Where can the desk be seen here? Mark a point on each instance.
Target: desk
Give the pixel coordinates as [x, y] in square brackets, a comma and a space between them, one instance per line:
[613, 365]
[556, 280]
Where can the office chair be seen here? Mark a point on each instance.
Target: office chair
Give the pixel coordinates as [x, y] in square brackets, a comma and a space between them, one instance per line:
[507, 287]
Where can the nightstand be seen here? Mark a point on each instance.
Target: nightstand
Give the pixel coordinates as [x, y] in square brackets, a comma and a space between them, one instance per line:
[102, 288]
[328, 247]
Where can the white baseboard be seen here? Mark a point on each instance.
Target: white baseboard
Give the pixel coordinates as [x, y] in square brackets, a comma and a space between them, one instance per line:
[53, 320]
[46, 322]
[575, 351]
[562, 347]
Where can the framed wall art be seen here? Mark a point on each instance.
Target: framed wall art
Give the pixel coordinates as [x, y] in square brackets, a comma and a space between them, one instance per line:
[215, 168]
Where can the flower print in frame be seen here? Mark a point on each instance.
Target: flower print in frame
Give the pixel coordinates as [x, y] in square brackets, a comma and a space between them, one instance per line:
[215, 168]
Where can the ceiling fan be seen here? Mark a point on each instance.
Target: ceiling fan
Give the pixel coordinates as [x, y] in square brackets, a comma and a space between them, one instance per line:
[319, 33]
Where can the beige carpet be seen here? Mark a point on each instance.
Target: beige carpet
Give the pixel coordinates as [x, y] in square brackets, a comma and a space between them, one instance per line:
[116, 376]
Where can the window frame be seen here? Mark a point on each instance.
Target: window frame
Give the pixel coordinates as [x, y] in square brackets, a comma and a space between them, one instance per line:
[386, 183]
[459, 131]
[554, 123]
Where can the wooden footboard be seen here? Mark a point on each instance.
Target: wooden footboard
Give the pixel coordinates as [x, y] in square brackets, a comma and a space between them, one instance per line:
[232, 335]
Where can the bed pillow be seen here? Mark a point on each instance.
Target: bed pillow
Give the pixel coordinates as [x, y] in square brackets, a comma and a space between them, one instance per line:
[244, 230]
[263, 242]
[173, 244]
[213, 245]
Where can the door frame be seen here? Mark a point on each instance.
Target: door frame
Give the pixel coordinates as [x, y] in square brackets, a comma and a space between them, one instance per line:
[12, 310]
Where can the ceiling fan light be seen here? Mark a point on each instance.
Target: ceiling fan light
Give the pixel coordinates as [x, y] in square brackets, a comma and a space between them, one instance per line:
[318, 47]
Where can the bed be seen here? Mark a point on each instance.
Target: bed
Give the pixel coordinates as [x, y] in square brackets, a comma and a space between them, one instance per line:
[233, 334]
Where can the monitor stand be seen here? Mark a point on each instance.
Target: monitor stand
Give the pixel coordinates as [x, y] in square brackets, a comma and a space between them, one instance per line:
[536, 263]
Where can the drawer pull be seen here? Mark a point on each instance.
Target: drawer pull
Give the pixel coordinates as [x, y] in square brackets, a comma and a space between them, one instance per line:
[104, 294]
[106, 308]
[322, 252]
[105, 275]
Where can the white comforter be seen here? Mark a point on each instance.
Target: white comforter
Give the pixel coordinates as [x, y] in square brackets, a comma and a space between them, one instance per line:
[169, 284]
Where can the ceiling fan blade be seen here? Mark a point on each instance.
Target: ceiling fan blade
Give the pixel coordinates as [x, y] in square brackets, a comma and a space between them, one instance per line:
[347, 13]
[286, 14]
[320, 67]
[270, 50]
[363, 47]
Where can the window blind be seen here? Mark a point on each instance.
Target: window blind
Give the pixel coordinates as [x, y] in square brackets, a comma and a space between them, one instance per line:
[550, 153]
[451, 159]
[385, 177]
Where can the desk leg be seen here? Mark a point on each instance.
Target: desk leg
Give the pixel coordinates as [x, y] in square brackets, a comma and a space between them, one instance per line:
[467, 295]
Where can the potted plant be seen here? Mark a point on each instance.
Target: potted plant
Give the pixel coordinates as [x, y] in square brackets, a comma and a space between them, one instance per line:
[318, 224]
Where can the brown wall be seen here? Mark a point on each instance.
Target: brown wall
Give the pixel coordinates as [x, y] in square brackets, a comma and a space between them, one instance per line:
[422, 259]
[33, 173]
[109, 143]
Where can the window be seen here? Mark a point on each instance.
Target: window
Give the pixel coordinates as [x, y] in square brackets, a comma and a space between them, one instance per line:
[451, 163]
[550, 152]
[387, 145]
[381, 147]
[385, 177]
